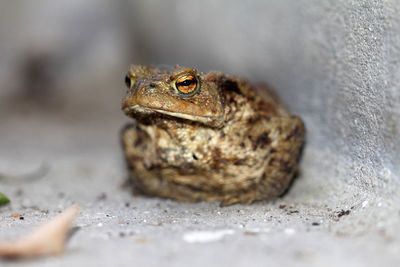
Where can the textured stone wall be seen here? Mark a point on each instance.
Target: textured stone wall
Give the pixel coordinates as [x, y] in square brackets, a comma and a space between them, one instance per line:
[336, 63]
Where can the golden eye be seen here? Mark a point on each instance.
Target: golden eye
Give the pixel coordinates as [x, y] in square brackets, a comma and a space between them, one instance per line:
[186, 84]
[129, 81]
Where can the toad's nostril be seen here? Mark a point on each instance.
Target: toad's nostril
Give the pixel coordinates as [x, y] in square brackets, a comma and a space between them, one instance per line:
[152, 87]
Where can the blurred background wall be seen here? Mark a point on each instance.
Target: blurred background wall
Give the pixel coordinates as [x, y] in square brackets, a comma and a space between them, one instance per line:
[334, 63]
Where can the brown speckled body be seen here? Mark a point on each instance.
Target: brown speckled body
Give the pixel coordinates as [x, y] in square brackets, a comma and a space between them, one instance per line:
[225, 142]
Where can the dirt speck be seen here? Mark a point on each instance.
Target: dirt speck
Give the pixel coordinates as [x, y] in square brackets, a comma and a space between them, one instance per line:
[250, 233]
[292, 212]
[343, 213]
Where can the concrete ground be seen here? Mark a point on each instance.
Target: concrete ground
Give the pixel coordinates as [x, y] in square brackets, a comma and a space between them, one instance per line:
[80, 162]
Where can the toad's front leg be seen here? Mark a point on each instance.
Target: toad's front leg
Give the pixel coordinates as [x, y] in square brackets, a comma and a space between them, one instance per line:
[140, 158]
[147, 172]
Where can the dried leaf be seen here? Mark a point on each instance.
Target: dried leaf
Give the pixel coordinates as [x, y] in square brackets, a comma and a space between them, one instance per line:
[48, 239]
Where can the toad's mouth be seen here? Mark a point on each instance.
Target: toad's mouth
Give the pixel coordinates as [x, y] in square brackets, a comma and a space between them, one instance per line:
[138, 112]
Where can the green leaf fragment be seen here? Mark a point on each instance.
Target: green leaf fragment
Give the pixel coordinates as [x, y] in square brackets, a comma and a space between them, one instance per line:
[3, 199]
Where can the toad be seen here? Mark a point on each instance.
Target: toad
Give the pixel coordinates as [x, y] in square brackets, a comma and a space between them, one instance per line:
[207, 136]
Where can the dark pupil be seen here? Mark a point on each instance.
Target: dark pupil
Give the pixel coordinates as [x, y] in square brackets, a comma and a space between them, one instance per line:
[128, 81]
[186, 82]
